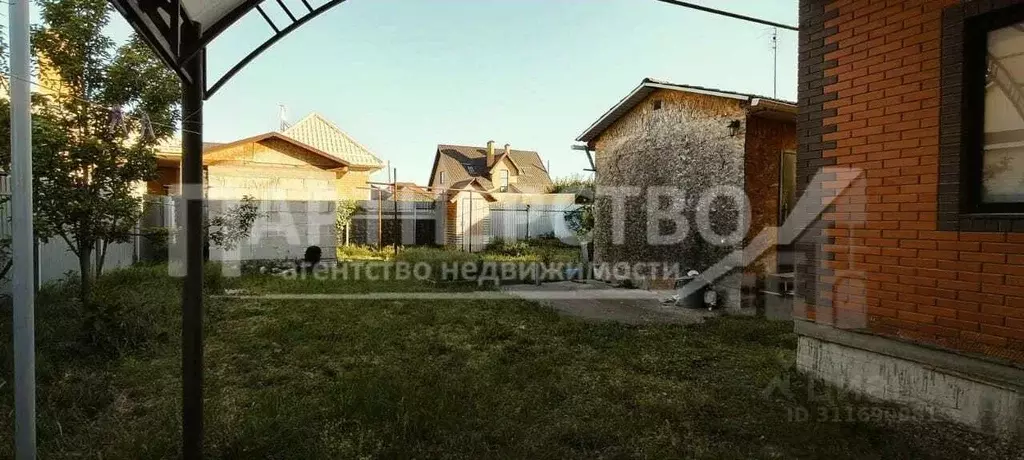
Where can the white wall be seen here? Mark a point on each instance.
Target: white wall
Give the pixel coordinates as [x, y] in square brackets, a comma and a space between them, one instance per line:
[521, 221]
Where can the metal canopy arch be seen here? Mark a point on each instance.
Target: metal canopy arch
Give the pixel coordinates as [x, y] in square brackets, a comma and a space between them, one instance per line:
[201, 21]
[179, 32]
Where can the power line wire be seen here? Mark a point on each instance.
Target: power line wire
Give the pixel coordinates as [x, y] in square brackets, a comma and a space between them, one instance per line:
[143, 119]
[731, 15]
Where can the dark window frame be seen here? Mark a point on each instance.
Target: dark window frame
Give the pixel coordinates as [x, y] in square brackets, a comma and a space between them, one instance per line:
[976, 33]
[964, 50]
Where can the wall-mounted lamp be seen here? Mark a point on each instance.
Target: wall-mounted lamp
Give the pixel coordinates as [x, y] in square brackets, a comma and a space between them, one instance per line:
[734, 128]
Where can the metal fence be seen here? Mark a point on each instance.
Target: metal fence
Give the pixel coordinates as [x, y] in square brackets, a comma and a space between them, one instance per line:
[407, 223]
[54, 259]
[522, 221]
[288, 227]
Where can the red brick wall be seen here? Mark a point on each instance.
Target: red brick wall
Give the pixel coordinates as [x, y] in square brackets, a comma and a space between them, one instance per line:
[766, 139]
[961, 290]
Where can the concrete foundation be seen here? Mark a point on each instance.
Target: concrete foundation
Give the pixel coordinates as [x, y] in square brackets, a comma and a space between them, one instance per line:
[983, 395]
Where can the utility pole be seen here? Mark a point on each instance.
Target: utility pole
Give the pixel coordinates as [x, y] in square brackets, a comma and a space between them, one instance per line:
[22, 292]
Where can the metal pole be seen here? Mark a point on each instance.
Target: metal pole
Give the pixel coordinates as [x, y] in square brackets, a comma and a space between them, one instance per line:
[192, 292]
[527, 221]
[775, 63]
[23, 276]
[394, 218]
[380, 219]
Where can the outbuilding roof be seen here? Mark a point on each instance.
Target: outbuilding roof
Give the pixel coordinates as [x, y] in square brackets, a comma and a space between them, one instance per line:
[650, 85]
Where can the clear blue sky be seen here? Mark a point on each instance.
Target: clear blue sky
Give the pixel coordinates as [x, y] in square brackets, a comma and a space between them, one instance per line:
[402, 76]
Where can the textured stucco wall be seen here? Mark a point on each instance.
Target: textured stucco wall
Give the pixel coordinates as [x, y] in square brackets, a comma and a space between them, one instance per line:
[686, 144]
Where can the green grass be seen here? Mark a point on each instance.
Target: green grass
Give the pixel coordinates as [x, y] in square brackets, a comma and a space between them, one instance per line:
[427, 379]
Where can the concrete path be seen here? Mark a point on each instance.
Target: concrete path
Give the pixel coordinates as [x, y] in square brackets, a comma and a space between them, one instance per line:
[597, 301]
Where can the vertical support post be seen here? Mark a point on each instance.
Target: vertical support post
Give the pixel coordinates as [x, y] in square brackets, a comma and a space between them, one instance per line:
[192, 291]
[380, 219]
[23, 273]
[394, 219]
[527, 221]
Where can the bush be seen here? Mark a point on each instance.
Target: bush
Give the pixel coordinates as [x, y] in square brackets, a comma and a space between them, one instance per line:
[437, 259]
[131, 309]
[365, 252]
[499, 246]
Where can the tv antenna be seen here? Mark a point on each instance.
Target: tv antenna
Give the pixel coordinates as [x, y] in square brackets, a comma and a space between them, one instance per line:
[282, 116]
[775, 62]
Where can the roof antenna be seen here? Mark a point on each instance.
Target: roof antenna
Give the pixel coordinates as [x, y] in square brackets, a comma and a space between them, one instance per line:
[775, 63]
[282, 114]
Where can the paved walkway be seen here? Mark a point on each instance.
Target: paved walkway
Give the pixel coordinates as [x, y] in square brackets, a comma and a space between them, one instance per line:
[597, 301]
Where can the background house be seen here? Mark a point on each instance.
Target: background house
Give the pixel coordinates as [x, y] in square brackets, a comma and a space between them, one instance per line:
[474, 181]
[691, 138]
[914, 290]
[297, 175]
[311, 158]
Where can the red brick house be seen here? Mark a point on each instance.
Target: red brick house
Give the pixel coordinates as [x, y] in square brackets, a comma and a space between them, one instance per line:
[925, 97]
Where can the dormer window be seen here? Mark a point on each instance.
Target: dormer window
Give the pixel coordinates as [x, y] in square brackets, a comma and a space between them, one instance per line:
[504, 179]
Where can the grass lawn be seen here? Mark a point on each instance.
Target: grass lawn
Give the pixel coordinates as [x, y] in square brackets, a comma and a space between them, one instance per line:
[467, 379]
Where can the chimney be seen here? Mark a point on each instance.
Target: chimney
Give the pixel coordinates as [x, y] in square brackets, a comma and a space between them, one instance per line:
[508, 149]
[490, 153]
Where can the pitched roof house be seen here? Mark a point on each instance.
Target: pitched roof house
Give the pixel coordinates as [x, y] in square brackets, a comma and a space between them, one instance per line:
[279, 165]
[692, 138]
[475, 178]
[502, 171]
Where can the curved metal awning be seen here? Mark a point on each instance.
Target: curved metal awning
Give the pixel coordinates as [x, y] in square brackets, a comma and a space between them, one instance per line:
[179, 29]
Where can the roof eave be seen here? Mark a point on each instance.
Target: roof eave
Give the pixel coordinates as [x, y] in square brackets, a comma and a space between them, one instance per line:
[280, 136]
[646, 87]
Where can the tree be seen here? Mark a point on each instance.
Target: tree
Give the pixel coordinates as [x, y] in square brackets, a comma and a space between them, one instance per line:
[229, 228]
[582, 187]
[343, 222]
[110, 106]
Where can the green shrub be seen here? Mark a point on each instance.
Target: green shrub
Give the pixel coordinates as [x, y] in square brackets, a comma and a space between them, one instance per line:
[365, 252]
[499, 246]
[132, 308]
[438, 259]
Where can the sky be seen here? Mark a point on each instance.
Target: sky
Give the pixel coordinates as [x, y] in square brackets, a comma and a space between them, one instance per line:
[401, 76]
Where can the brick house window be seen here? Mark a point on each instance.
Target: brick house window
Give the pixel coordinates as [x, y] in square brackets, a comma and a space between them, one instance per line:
[657, 104]
[981, 163]
[1001, 177]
